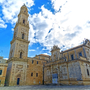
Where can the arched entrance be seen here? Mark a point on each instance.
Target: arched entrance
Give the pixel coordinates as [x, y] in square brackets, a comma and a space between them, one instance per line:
[18, 79]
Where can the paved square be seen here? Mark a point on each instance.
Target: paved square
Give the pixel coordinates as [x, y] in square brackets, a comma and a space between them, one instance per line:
[46, 87]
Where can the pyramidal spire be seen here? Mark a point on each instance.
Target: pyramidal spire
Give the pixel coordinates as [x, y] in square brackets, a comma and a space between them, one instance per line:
[24, 5]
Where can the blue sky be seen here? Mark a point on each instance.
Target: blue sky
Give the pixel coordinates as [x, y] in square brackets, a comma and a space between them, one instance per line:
[65, 23]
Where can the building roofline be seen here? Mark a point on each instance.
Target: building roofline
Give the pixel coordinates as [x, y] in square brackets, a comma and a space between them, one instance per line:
[73, 48]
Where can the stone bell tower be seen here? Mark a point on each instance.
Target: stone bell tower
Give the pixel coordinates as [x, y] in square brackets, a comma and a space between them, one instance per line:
[17, 63]
[19, 44]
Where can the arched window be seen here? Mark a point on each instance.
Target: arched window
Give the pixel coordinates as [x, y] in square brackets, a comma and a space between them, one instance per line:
[23, 36]
[24, 21]
[87, 72]
[0, 72]
[20, 54]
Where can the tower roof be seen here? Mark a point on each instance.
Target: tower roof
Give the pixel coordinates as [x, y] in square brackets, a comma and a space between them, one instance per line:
[24, 5]
[24, 10]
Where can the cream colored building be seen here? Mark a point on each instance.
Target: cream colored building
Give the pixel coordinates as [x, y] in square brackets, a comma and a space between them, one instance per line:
[68, 67]
[3, 70]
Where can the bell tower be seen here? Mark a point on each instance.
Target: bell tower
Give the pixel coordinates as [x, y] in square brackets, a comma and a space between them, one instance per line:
[19, 44]
[17, 62]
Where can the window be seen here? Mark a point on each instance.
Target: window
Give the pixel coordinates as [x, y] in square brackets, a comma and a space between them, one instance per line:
[23, 36]
[72, 57]
[0, 72]
[32, 61]
[20, 54]
[31, 74]
[80, 53]
[87, 72]
[36, 74]
[37, 62]
[24, 21]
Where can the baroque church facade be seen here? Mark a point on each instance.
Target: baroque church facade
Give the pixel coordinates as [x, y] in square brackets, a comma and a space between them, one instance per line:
[69, 67]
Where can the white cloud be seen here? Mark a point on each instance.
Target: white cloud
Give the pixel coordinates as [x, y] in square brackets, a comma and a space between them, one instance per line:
[12, 29]
[37, 47]
[1, 1]
[57, 4]
[31, 50]
[5, 58]
[44, 49]
[2, 24]
[11, 8]
[66, 27]
[45, 53]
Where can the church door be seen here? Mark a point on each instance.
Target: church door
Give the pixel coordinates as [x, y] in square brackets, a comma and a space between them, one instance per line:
[55, 78]
[18, 80]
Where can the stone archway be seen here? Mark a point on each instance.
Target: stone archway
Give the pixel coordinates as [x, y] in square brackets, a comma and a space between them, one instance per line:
[18, 77]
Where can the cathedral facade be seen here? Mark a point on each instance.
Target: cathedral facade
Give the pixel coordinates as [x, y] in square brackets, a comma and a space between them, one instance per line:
[69, 67]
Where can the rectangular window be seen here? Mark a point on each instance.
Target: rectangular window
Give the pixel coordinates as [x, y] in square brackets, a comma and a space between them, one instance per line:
[37, 62]
[0, 72]
[72, 57]
[36, 74]
[80, 53]
[31, 74]
[32, 61]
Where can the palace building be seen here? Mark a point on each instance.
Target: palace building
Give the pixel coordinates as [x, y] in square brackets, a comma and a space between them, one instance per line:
[69, 67]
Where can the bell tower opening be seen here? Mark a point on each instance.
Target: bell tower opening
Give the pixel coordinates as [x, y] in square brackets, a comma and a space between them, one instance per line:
[20, 54]
[23, 21]
[23, 36]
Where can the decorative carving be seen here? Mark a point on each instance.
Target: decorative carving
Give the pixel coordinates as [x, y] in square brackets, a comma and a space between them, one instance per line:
[19, 75]
[19, 66]
[55, 48]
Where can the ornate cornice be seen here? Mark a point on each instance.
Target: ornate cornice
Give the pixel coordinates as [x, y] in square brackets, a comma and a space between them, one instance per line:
[17, 38]
[3, 64]
[23, 13]
[60, 62]
[19, 23]
[55, 48]
[17, 59]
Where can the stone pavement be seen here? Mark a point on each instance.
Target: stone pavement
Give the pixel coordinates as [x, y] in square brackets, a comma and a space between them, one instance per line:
[46, 87]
